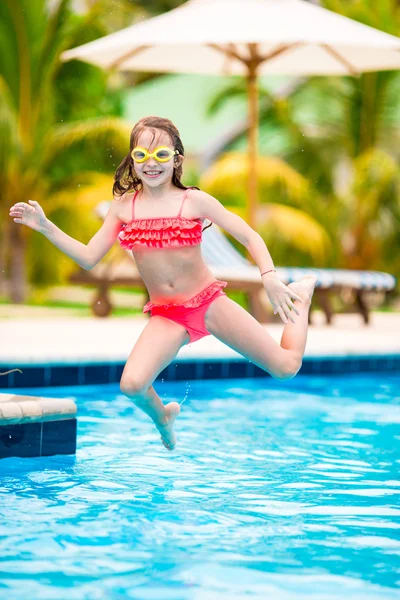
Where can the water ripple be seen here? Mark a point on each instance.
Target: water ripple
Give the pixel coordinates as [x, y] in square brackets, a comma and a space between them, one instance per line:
[284, 491]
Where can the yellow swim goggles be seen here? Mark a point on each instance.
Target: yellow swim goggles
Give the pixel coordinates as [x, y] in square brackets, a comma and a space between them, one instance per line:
[161, 154]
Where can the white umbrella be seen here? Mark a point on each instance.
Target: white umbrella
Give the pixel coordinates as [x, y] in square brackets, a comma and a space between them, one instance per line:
[250, 38]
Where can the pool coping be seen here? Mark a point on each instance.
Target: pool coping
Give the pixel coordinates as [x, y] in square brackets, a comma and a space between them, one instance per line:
[63, 373]
[71, 351]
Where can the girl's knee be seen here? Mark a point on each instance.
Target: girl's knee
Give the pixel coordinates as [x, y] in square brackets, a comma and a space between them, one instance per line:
[133, 386]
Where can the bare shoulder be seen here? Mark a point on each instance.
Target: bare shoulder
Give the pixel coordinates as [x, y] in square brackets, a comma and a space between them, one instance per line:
[120, 206]
[123, 198]
[201, 203]
[208, 207]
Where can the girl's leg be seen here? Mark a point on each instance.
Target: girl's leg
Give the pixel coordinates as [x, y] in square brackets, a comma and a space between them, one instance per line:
[234, 326]
[294, 336]
[156, 347]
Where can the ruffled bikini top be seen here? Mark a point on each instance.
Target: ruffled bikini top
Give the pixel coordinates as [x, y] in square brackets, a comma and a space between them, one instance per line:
[161, 232]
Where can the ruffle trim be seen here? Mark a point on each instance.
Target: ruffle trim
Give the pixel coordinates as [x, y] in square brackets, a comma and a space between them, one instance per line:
[164, 242]
[161, 223]
[197, 300]
[173, 234]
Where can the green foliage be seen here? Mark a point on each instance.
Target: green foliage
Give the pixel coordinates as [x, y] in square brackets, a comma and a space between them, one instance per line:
[82, 92]
[59, 121]
[53, 128]
[285, 216]
[342, 135]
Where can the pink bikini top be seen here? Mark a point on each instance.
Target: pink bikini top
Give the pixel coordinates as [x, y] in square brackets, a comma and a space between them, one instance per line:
[161, 232]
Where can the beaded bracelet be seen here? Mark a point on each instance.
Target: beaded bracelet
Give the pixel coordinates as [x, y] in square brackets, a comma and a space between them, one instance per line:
[268, 272]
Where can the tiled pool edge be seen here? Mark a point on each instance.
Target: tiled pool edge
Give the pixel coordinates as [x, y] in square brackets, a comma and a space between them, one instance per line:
[32, 426]
[63, 374]
[29, 440]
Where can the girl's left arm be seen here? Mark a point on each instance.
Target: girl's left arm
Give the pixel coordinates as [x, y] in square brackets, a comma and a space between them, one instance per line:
[280, 296]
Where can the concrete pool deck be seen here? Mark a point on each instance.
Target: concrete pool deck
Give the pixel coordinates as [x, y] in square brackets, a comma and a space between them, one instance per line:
[51, 338]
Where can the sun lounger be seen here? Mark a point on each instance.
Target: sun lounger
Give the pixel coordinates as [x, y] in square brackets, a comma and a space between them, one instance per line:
[228, 264]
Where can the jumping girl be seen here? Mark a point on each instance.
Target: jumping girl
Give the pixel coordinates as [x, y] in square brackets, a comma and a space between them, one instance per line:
[161, 220]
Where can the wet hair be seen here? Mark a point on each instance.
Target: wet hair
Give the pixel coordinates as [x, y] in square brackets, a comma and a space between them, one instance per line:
[125, 178]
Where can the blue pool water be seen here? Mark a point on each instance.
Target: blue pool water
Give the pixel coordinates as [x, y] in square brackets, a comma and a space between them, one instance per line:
[281, 490]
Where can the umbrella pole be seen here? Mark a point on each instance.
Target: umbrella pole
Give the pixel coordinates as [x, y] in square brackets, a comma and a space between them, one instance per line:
[252, 144]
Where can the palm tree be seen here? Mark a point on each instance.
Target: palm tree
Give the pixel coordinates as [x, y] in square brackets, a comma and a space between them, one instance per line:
[32, 141]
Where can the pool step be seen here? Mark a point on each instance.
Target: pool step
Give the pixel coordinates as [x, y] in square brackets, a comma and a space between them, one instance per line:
[36, 426]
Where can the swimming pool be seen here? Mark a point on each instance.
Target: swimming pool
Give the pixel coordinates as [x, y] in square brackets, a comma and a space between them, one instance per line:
[281, 490]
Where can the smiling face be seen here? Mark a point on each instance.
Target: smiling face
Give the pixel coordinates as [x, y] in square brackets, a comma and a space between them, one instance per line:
[151, 172]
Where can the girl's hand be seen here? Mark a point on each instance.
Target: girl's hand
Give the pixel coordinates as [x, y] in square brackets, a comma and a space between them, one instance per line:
[281, 297]
[31, 214]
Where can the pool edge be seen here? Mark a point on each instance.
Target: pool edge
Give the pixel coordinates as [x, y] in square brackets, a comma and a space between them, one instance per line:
[61, 373]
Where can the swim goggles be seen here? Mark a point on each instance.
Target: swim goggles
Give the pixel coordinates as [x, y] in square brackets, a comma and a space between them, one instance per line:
[161, 154]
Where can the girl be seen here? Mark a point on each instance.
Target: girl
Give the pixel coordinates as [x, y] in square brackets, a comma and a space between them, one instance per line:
[160, 219]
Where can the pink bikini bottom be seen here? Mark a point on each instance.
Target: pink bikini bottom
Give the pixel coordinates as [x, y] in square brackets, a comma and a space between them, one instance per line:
[190, 314]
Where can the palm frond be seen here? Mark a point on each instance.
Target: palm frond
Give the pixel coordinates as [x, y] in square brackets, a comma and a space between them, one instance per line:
[8, 51]
[75, 215]
[85, 191]
[8, 117]
[227, 179]
[9, 138]
[111, 132]
[383, 15]
[232, 90]
[53, 43]
[295, 228]
[376, 183]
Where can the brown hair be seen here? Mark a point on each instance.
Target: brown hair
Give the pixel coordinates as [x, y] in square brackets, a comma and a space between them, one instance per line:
[125, 178]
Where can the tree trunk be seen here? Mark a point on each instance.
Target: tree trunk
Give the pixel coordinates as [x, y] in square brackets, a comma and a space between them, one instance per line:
[18, 268]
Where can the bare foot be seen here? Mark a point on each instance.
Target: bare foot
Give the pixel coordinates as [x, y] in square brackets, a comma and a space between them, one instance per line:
[305, 287]
[166, 427]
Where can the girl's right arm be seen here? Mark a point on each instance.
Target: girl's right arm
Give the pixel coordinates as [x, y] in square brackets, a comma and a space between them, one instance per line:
[87, 256]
